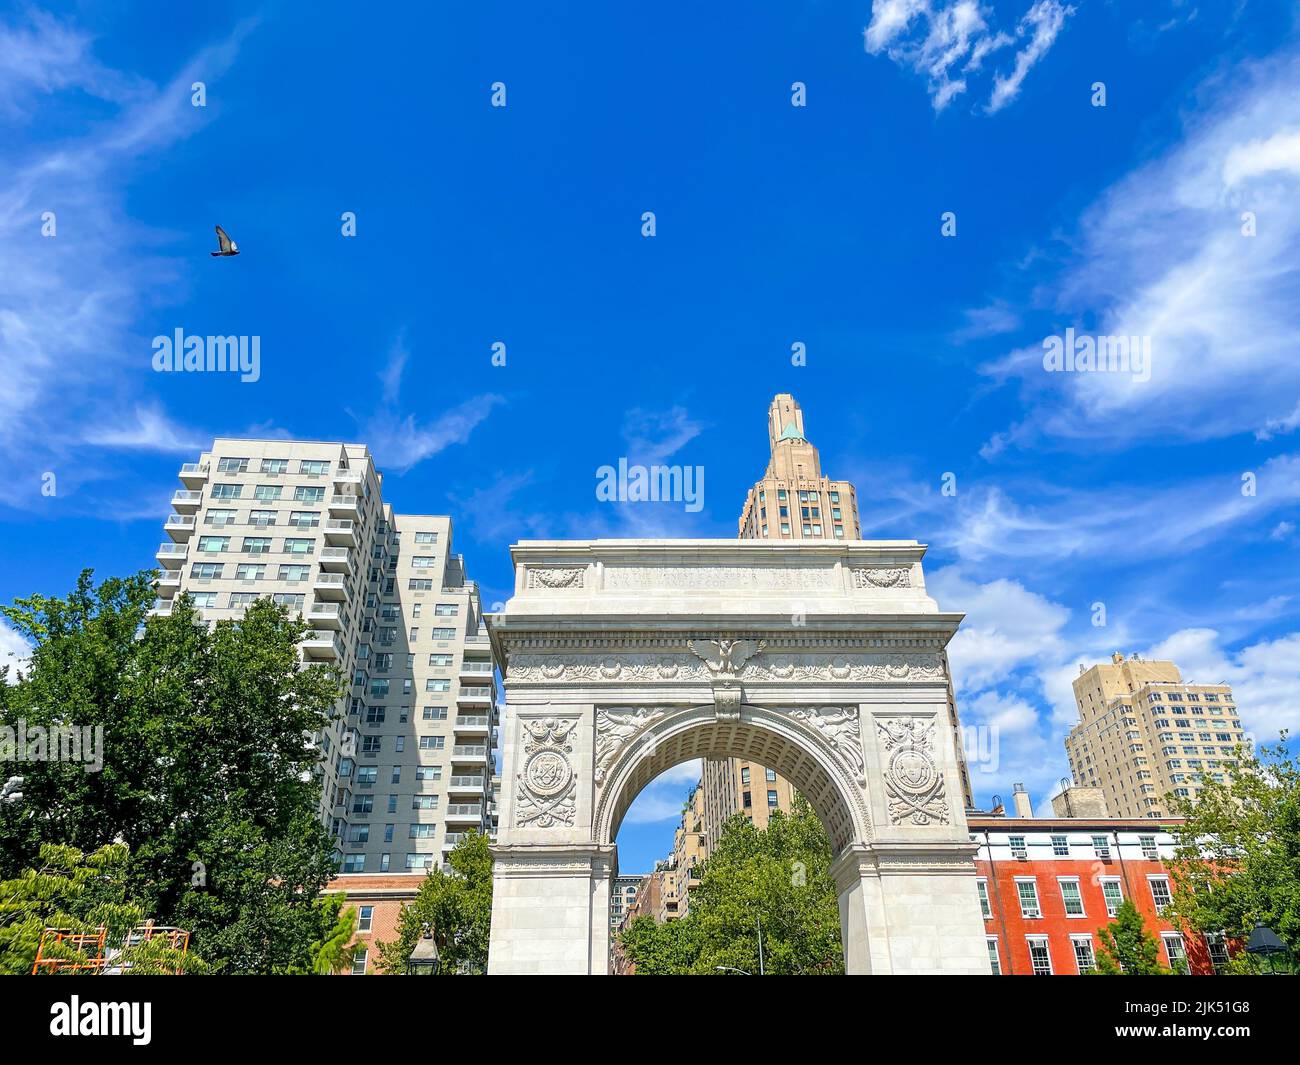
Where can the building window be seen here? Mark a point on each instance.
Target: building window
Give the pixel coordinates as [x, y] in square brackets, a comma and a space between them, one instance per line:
[1113, 893]
[1083, 954]
[986, 907]
[359, 960]
[1018, 848]
[364, 918]
[771, 799]
[1060, 847]
[1175, 952]
[744, 774]
[1072, 898]
[1218, 948]
[995, 965]
[1149, 851]
[1160, 893]
[1039, 956]
[1027, 890]
[1101, 846]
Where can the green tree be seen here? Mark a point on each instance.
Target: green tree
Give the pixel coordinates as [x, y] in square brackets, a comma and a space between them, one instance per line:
[1127, 948]
[456, 906]
[334, 951]
[1238, 855]
[208, 766]
[79, 893]
[777, 878]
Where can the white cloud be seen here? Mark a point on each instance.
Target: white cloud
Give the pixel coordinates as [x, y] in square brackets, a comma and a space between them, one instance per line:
[14, 650]
[1042, 23]
[1265, 676]
[652, 437]
[661, 800]
[68, 302]
[149, 430]
[948, 41]
[398, 441]
[1164, 254]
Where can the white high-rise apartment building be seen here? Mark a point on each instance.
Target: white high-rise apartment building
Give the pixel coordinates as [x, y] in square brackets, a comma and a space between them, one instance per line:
[407, 766]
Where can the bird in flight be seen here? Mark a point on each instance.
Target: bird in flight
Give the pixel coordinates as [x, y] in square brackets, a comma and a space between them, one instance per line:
[227, 246]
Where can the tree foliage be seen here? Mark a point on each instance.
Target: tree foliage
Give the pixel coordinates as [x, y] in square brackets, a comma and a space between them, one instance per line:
[208, 766]
[456, 906]
[777, 877]
[1238, 855]
[79, 893]
[1127, 947]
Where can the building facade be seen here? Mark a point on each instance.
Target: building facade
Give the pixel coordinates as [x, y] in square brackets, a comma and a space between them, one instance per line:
[1145, 734]
[407, 761]
[1048, 886]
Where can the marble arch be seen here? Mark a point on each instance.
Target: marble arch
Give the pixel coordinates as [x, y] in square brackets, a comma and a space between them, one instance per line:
[823, 660]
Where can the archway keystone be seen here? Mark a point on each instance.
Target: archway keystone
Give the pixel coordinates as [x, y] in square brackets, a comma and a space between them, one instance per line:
[821, 660]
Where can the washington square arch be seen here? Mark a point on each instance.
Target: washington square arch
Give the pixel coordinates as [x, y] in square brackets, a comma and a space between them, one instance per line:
[822, 660]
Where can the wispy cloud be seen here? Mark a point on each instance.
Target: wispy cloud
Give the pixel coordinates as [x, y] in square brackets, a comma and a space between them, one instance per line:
[949, 43]
[1199, 250]
[68, 302]
[148, 430]
[400, 441]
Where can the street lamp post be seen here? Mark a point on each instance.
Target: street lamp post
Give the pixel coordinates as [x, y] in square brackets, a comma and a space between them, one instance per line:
[1264, 942]
[424, 959]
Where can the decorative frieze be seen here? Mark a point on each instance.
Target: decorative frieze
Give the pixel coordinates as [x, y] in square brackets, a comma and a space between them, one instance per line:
[913, 782]
[547, 795]
[882, 577]
[554, 577]
[623, 667]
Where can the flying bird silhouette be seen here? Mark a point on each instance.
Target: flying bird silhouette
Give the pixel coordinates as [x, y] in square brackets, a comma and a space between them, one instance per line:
[226, 245]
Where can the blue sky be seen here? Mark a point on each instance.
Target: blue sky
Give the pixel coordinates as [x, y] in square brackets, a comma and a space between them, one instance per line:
[775, 225]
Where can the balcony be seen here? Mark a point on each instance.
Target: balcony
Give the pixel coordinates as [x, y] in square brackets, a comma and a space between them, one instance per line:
[328, 586]
[345, 506]
[336, 559]
[179, 527]
[476, 668]
[348, 477]
[465, 811]
[194, 475]
[341, 531]
[168, 584]
[475, 694]
[467, 784]
[322, 645]
[473, 753]
[161, 609]
[326, 615]
[452, 838]
[479, 724]
[188, 502]
[172, 556]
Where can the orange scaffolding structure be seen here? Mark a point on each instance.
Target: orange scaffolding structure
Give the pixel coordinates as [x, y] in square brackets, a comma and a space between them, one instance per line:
[95, 956]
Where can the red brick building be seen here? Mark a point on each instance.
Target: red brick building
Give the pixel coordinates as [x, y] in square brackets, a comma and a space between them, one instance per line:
[1049, 885]
[378, 899]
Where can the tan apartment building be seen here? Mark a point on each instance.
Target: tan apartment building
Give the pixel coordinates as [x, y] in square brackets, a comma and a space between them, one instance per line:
[793, 501]
[1144, 733]
[689, 849]
[407, 762]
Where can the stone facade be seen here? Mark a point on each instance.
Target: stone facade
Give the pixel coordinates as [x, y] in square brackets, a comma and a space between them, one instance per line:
[624, 658]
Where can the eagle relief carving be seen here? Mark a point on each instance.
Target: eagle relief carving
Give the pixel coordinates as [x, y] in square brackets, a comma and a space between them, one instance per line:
[547, 794]
[726, 657]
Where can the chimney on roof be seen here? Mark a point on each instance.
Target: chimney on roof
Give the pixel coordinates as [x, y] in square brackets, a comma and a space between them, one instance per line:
[1024, 808]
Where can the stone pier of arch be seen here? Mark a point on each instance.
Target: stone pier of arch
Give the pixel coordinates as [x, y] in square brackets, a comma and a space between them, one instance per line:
[822, 660]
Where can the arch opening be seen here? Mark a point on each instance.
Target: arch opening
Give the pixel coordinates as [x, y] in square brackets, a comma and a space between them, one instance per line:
[761, 736]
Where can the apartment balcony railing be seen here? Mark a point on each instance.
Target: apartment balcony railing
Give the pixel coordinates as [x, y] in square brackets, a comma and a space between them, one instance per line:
[186, 501]
[161, 608]
[179, 526]
[168, 583]
[470, 752]
[466, 782]
[329, 586]
[193, 473]
[327, 615]
[465, 811]
[336, 558]
[345, 505]
[471, 667]
[474, 694]
[341, 531]
[321, 644]
[172, 556]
